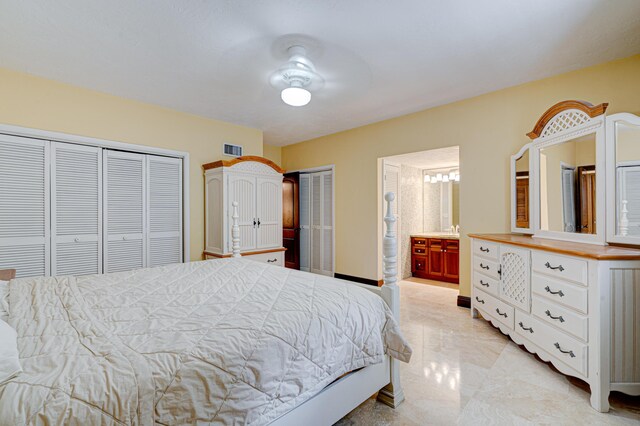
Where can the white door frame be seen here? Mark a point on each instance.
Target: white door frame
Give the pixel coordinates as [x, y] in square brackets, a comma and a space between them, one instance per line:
[327, 168]
[122, 146]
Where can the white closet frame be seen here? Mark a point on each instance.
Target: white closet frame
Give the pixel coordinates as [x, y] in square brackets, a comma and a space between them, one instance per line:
[329, 168]
[47, 135]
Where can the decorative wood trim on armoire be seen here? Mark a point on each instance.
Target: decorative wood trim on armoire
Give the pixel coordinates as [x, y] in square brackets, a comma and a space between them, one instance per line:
[229, 163]
[586, 107]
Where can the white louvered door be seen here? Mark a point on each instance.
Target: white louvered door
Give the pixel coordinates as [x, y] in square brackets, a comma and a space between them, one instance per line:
[164, 206]
[124, 206]
[76, 209]
[321, 222]
[243, 190]
[305, 222]
[269, 212]
[24, 206]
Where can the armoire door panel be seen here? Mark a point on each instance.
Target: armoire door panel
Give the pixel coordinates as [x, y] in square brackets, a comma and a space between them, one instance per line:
[125, 207]
[76, 209]
[243, 190]
[164, 203]
[24, 206]
[269, 213]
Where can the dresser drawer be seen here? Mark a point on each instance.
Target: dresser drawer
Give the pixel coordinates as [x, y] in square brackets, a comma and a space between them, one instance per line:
[274, 258]
[418, 241]
[486, 267]
[564, 267]
[561, 317]
[419, 250]
[560, 291]
[486, 249]
[485, 283]
[494, 307]
[559, 345]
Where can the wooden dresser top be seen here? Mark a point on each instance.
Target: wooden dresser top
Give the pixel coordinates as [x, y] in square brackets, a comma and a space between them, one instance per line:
[591, 251]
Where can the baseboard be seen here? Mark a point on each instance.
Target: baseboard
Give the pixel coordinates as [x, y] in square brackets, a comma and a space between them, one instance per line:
[358, 279]
[464, 301]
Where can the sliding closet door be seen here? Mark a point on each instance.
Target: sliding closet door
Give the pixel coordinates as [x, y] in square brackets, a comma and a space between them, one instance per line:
[124, 207]
[305, 222]
[322, 223]
[164, 201]
[76, 209]
[24, 206]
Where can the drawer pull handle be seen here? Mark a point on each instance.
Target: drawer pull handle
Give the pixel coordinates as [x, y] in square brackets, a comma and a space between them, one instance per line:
[486, 250]
[559, 317]
[571, 354]
[559, 292]
[500, 313]
[484, 284]
[479, 301]
[559, 267]
[530, 329]
[272, 260]
[483, 266]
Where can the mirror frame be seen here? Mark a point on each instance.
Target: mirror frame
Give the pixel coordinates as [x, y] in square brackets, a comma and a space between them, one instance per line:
[514, 202]
[612, 183]
[562, 122]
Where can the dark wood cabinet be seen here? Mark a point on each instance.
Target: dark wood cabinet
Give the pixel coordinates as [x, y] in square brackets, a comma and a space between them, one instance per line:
[435, 259]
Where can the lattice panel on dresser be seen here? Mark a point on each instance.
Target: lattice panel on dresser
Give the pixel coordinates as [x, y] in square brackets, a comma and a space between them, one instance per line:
[565, 121]
[515, 280]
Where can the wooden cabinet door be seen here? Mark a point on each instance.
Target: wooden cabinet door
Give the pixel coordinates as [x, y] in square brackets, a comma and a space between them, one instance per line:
[436, 259]
[418, 265]
[451, 261]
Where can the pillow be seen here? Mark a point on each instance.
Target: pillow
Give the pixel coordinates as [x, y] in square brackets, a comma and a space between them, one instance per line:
[4, 300]
[9, 359]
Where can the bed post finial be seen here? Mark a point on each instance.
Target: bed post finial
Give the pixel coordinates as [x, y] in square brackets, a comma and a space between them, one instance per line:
[389, 245]
[392, 394]
[235, 231]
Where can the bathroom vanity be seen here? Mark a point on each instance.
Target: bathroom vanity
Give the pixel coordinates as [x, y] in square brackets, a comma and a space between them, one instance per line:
[436, 256]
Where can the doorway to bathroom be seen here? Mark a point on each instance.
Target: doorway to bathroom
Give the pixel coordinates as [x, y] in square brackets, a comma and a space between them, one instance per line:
[426, 187]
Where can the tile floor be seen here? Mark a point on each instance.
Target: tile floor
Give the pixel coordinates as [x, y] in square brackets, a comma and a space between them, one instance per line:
[465, 372]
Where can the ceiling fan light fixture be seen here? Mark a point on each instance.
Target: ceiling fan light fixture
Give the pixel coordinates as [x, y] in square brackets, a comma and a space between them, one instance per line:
[295, 96]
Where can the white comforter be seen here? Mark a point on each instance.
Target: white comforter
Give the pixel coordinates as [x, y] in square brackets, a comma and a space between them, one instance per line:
[223, 341]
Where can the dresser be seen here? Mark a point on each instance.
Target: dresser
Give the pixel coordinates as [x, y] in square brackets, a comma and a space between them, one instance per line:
[256, 184]
[435, 258]
[575, 305]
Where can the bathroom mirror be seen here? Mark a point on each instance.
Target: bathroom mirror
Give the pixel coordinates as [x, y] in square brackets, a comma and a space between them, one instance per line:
[521, 216]
[568, 191]
[623, 167]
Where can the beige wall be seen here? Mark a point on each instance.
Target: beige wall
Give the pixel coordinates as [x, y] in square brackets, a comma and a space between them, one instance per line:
[488, 129]
[273, 153]
[34, 102]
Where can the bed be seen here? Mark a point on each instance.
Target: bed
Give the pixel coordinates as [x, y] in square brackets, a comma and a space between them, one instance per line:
[229, 341]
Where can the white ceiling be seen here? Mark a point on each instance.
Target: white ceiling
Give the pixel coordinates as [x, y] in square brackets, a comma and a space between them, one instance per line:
[429, 160]
[380, 58]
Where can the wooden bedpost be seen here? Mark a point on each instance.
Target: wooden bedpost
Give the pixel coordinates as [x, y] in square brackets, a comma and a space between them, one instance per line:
[235, 231]
[392, 394]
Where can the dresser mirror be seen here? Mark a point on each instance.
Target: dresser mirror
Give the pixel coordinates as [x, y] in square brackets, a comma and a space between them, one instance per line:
[568, 186]
[557, 180]
[521, 192]
[623, 167]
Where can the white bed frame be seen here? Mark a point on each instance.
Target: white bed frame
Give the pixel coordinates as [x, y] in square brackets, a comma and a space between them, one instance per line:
[339, 398]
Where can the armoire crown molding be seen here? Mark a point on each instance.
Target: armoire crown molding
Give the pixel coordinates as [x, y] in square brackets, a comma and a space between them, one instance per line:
[229, 163]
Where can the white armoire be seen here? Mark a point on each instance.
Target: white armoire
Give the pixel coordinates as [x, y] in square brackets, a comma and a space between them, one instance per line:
[256, 184]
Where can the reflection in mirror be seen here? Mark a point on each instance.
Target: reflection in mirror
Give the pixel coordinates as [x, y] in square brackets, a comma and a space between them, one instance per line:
[568, 186]
[627, 179]
[522, 191]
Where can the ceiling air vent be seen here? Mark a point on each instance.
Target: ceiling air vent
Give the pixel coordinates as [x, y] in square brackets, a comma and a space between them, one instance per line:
[232, 150]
